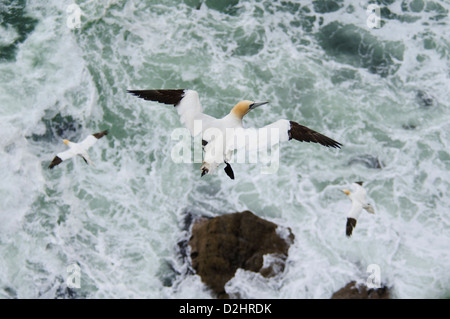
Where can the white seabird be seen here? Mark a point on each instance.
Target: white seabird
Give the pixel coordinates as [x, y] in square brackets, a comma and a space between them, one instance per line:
[359, 201]
[78, 149]
[187, 104]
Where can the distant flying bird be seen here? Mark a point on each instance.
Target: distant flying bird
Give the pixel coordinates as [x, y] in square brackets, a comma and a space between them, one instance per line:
[187, 104]
[359, 201]
[78, 149]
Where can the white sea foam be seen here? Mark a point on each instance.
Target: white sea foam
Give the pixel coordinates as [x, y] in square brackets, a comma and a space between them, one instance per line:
[121, 220]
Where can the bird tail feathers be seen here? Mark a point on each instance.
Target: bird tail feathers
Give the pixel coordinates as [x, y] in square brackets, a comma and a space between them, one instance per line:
[88, 160]
[369, 208]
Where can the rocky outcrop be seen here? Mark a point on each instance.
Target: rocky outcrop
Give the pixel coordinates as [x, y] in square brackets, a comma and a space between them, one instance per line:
[425, 99]
[360, 291]
[221, 245]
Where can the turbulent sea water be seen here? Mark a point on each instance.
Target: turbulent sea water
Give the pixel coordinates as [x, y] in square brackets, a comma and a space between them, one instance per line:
[382, 92]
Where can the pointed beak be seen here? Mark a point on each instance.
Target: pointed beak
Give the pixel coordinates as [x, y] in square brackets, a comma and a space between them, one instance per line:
[346, 191]
[256, 104]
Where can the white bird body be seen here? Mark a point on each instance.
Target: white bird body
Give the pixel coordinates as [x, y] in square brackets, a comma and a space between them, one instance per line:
[220, 147]
[79, 149]
[190, 110]
[359, 202]
[220, 135]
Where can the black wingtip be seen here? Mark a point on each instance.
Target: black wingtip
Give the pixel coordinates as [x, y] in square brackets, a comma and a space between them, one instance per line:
[229, 171]
[305, 134]
[171, 96]
[100, 134]
[351, 224]
[55, 162]
[332, 143]
[337, 145]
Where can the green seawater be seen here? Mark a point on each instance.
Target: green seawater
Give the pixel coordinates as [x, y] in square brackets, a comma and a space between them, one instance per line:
[383, 93]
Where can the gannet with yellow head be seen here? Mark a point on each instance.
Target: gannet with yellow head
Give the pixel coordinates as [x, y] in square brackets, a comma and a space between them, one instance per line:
[79, 149]
[187, 104]
[359, 201]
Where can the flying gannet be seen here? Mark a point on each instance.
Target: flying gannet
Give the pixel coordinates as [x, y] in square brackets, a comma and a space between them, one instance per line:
[359, 201]
[187, 104]
[78, 149]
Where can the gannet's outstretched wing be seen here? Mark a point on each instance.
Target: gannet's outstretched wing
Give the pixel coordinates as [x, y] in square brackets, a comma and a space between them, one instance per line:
[351, 224]
[172, 97]
[353, 215]
[61, 157]
[281, 131]
[91, 140]
[304, 134]
[186, 102]
[360, 194]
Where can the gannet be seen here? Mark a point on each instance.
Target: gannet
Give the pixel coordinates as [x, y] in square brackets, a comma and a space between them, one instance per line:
[187, 104]
[78, 149]
[359, 201]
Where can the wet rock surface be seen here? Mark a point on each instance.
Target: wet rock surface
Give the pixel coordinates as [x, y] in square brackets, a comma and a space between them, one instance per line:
[360, 291]
[221, 245]
[425, 99]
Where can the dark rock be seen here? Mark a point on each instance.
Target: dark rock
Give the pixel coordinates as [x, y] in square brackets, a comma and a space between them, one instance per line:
[65, 293]
[360, 291]
[221, 245]
[409, 126]
[60, 290]
[424, 98]
[10, 292]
